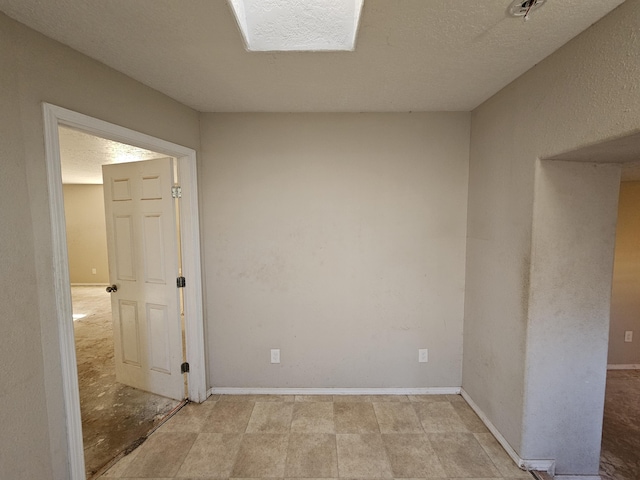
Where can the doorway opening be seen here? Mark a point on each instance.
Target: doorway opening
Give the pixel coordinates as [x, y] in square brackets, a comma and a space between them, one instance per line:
[577, 211]
[620, 457]
[115, 414]
[54, 117]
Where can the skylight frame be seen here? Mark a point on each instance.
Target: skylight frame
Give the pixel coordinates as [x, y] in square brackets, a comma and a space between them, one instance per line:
[298, 25]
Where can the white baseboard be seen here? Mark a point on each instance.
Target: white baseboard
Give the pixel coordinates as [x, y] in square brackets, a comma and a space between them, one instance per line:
[89, 284]
[334, 391]
[577, 477]
[525, 464]
[627, 366]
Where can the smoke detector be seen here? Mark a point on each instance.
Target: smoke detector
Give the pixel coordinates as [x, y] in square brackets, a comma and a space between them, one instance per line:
[522, 8]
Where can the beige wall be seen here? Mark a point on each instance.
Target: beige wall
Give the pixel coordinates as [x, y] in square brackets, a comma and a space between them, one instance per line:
[35, 70]
[347, 194]
[527, 385]
[625, 295]
[569, 296]
[25, 439]
[338, 238]
[86, 233]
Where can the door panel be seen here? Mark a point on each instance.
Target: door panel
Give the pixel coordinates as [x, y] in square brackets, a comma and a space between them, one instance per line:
[143, 264]
[158, 329]
[153, 249]
[124, 248]
[129, 332]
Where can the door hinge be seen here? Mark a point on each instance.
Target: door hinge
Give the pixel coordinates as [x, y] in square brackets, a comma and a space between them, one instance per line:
[184, 368]
[176, 191]
[181, 282]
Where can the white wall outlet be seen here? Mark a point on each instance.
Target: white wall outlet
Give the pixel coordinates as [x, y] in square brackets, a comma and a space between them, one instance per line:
[93, 271]
[423, 355]
[628, 336]
[275, 355]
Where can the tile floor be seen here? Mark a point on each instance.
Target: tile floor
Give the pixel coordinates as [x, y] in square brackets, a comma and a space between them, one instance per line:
[357, 437]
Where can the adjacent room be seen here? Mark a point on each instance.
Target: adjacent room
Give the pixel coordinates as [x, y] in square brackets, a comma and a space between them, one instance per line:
[397, 232]
[116, 416]
[621, 431]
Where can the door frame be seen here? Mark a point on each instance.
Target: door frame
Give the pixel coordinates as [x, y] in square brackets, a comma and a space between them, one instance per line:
[191, 265]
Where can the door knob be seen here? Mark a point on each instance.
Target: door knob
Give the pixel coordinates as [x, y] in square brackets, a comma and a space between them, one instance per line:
[112, 288]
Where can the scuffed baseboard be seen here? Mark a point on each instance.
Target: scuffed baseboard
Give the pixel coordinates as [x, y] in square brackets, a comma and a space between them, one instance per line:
[525, 464]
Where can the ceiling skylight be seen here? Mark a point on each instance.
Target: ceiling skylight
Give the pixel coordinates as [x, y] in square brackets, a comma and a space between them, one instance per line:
[298, 25]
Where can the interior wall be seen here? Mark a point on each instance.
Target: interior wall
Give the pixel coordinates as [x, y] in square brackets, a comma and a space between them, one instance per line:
[625, 301]
[571, 263]
[582, 94]
[339, 239]
[86, 233]
[25, 440]
[36, 69]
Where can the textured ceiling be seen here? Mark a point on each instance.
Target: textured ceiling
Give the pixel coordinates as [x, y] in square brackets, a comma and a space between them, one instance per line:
[298, 25]
[82, 155]
[411, 55]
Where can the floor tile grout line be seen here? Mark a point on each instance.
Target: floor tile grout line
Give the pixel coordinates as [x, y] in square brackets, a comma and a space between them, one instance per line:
[488, 455]
[235, 458]
[435, 452]
[335, 443]
[185, 457]
[242, 435]
[335, 436]
[413, 405]
[286, 457]
[376, 415]
[384, 446]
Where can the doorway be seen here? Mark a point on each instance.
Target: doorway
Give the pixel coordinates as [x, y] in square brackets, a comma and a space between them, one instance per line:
[620, 457]
[573, 238]
[189, 237]
[115, 413]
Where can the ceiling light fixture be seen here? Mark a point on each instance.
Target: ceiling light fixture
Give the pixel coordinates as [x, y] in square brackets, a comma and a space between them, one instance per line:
[296, 25]
[522, 8]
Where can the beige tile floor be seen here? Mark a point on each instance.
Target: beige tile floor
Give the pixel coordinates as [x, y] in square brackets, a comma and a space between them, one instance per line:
[355, 437]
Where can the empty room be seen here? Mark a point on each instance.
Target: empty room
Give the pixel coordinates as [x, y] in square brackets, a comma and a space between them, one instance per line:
[393, 242]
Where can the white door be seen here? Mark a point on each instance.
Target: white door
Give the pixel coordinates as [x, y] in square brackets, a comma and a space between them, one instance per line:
[143, 266]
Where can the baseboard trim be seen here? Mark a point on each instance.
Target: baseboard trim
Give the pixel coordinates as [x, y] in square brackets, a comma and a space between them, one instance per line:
[89, 284]
[525, 464]
[333, 391]
[627, 366]
[577, 477]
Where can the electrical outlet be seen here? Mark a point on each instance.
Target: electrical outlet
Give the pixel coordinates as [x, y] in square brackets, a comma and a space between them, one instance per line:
[275, 355]
[628, 336]
[423, 355]
[93, 271]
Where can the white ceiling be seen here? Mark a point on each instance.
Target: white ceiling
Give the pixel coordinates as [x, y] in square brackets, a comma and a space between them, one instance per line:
[309, 25]
[411, 55]
[82, 155]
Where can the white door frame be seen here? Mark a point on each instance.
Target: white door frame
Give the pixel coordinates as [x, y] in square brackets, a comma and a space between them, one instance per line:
[191, 266]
